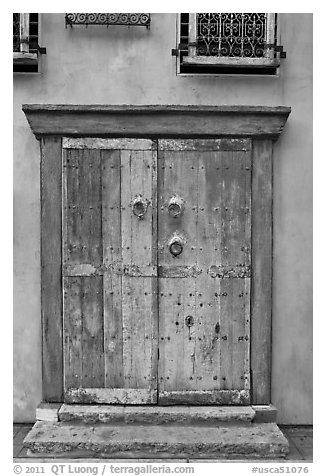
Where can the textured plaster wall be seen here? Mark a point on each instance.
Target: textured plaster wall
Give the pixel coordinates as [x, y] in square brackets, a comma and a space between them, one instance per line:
[134, 66]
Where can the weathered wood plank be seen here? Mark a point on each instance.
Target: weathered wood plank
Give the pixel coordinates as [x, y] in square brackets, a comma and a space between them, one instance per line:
[215, 223]
[82, 207]
[204, 144]
[51, 182]
[139, 308]
[111, 144]
[200, 397]
[72, 333]
[117, 267]
[112, 284]
[207, 353]
[82, 234]
[83, 332]
[124, 396]
[179, 271]
[92, 331]
[235, 249]
[177, 296]
[261, 293]
[156, 121]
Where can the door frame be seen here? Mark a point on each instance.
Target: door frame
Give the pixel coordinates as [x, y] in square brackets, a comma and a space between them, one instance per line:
[262, 124]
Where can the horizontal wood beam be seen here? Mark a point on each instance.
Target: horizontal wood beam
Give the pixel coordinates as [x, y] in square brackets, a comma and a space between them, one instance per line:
[156, 121]
[202, 397]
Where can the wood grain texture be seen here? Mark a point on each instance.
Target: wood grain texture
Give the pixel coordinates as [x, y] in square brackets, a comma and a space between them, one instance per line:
[204, 144]
[210, 354]
[109, 270]
[83, 296]
[261, 293]
[139, 249]
[110, 144]
[156, 121]
[112, 282]
[205, 397]
[51, 180]
[235, 246]
[122, 396]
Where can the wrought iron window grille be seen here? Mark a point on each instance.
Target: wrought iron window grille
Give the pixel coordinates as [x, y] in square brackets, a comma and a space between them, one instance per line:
[228, 40]
[26, 49]
[108, 19]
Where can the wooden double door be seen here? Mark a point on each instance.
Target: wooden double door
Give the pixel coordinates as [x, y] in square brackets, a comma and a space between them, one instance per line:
[156, 271]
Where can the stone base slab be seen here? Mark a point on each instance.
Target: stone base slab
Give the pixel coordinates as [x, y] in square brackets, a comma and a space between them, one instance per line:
[155, 414]
[254, 441]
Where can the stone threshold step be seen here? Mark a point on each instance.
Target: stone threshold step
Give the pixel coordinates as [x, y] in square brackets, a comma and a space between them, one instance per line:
[154, 414]
[259, 440]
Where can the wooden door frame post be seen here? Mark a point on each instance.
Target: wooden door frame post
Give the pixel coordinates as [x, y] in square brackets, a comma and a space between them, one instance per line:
[262, 124]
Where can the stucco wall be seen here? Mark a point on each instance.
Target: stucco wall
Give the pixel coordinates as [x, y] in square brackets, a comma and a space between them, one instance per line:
[135, 66]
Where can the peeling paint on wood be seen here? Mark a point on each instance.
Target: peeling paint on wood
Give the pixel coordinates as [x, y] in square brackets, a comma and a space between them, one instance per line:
[215, 186]
[203, 397]
[179, 271]
[204, 144]
[115, 267]
[123, 396]
[109, 270]
[238, 271]
[111, 144]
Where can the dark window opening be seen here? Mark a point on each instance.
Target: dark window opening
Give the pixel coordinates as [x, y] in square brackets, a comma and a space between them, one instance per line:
[25, 43]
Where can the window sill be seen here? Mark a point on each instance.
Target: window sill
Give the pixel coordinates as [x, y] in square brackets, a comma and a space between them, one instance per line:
[25, 58]
[231, 62]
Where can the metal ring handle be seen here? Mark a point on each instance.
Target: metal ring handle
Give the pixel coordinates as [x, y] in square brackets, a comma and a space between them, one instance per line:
[176, 247]
[139, 207]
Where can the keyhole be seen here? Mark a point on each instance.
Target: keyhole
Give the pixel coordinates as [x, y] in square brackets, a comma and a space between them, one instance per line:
[189, 321]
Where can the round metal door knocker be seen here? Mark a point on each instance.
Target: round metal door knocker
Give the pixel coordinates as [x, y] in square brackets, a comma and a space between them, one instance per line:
[176, 245]
[139, 206]
[176, 206]
[176, 248]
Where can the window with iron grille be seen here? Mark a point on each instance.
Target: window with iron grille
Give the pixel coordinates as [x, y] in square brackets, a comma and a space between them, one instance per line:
[228, 43]
[25, 42]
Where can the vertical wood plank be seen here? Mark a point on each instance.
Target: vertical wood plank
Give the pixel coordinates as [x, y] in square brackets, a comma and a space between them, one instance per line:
[73, 333]
[213, 353]
[82, 207]
[82, 231]
[51, 183]
[112, 282]
[208, 252]
[91, 289]
[235, 250]
[139, 308]
[261, 292]
[177, 173]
